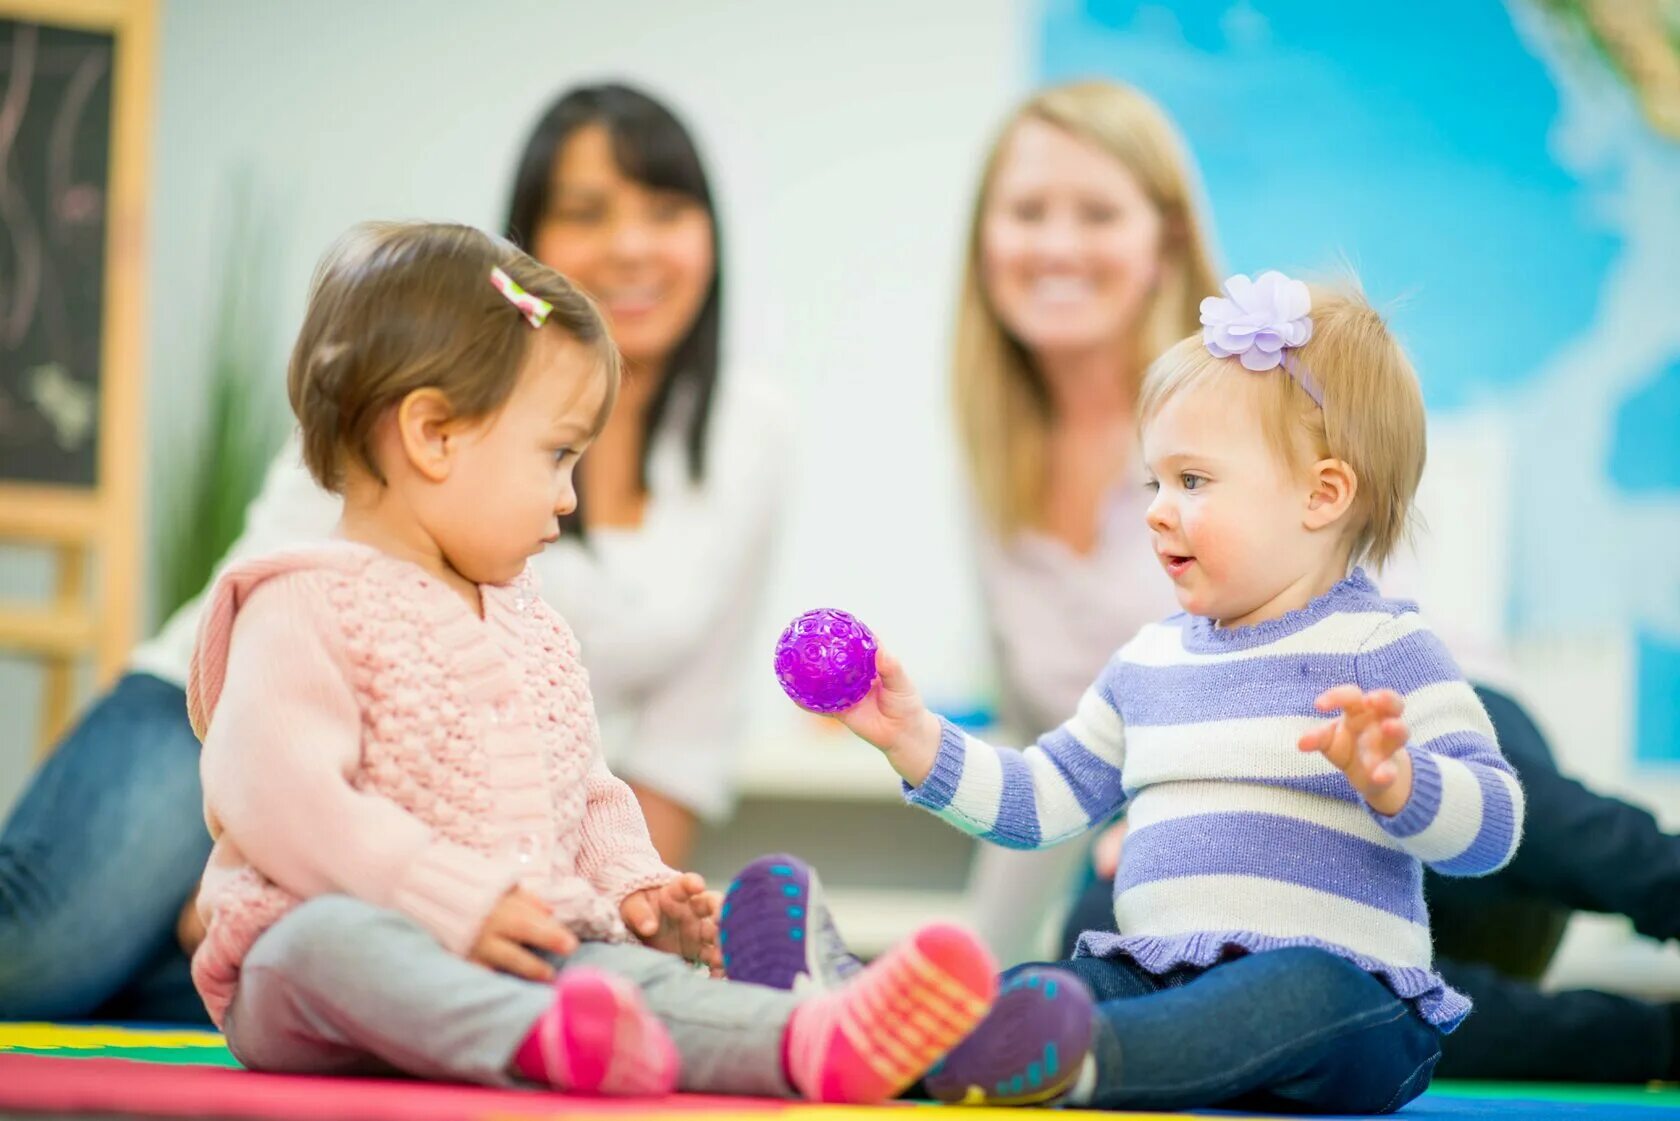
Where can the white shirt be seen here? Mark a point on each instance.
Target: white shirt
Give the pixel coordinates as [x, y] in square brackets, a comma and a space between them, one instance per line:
[662, 612]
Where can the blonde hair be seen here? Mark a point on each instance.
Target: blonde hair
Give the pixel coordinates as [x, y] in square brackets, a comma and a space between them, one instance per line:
[1003, 414]
[1372, 418]
[399, 306]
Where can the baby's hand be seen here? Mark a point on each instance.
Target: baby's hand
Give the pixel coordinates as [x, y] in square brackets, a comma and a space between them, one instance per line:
[520, 920]
[678, 917]
[1367, 743]
[894, 719]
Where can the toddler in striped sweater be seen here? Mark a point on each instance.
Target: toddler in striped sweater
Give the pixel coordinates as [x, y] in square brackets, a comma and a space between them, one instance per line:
[1274, 948]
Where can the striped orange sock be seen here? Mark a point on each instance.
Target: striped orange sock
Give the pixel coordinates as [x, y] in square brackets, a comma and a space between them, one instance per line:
[868, 1041]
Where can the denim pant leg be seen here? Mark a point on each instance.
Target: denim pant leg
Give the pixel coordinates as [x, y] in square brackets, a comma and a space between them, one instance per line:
[1519, 1033]
[1093, 909]
[728, 1033]
[1107, 978]
[101, 852]
[1297, 1030]
[339, 986]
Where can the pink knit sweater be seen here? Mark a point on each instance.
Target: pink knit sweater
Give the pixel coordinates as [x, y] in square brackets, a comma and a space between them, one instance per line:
[365, 733]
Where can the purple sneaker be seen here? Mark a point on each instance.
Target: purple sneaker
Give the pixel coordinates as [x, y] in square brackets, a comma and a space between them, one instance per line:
[776, 930]
[1029, 1049]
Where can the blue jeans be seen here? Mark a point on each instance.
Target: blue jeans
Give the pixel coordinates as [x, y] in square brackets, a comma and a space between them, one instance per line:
[1295, 1030]
[102, 851]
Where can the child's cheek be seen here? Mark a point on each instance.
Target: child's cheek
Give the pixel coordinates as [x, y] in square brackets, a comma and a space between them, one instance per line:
[1207, 536]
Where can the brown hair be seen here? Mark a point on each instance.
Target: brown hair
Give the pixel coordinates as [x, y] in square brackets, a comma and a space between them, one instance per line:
[1003, 415]
[399, 306]
[1372, 418]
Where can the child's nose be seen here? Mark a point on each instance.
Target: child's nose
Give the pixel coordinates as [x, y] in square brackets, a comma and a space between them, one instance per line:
[566, 503]
[1160, 515]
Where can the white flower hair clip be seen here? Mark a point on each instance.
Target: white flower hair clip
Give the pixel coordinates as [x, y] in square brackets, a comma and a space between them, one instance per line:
[1258, 322]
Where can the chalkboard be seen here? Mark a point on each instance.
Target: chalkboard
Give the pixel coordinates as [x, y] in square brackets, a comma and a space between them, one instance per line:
[55, 161]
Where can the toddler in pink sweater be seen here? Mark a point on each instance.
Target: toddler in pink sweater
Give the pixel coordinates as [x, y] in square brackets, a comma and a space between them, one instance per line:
[422, 863]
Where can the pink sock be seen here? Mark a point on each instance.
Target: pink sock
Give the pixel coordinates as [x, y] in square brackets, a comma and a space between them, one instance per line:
[598, 1038]
[868, 1041]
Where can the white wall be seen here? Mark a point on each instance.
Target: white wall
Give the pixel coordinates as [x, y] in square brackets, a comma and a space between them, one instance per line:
[843, 144]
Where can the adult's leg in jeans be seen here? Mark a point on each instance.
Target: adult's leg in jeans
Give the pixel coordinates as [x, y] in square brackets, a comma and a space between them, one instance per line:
[1093, 909]
[1294, 1029]
[99, 856]
[162, 992]
[1582, 850]
[1517, 1032]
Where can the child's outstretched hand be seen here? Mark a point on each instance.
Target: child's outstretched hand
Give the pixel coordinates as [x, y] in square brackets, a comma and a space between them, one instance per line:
[519, 922]
[1367, 743]
[894, 719]
[678, 917]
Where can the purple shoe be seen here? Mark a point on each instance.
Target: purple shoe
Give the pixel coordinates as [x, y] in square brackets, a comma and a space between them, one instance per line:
[1029, 1048]
[777, 931]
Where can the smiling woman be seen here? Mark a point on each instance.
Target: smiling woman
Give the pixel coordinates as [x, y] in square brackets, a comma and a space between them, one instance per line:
[1086, 260]
[611, 191]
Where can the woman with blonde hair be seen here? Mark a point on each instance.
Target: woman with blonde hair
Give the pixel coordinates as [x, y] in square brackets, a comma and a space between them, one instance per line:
[1087, 258]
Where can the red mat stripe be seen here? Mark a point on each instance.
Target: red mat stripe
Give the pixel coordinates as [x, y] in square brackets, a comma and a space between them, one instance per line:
[46, 1084]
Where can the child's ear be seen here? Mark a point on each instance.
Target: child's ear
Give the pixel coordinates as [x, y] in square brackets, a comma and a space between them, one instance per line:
[429, 433]
[1333, 486]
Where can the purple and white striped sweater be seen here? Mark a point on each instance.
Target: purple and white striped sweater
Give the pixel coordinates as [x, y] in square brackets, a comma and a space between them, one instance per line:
[1238, 841]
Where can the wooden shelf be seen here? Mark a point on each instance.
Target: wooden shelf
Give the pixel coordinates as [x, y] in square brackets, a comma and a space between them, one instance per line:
[49, 515]
[56, 632]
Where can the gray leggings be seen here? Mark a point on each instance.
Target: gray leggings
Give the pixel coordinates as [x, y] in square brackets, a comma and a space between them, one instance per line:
[339, 986]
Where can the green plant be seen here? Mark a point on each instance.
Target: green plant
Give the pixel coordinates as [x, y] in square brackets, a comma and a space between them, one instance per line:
[207, 485]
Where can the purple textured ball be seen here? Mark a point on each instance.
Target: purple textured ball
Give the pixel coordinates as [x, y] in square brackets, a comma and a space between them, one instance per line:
[825, 660]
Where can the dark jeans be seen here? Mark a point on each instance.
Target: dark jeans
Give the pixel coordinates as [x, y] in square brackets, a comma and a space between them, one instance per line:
[1495, 935]
[1297, 1030]
[103, 849]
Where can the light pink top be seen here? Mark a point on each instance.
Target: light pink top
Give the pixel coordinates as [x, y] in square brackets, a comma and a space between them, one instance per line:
[1057, 616]
[366, 733]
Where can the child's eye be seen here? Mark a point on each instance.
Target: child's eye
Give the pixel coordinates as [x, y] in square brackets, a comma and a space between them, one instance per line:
[1152, 485]
[1191, 482]
[561, 455]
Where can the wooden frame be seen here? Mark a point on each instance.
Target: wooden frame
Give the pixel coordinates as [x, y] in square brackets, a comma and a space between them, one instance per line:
[103, 524]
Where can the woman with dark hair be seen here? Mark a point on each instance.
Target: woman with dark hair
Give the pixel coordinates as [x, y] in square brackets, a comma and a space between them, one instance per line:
[679, 495]
[658, 571]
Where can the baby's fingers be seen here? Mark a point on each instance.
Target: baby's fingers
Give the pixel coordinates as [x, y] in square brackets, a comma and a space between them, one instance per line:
[677, 894]
[1350, 699]
[640, 914]
[1318, 738]
[893, 679]
[510, 957]
[888, 667]
[1385, 704]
